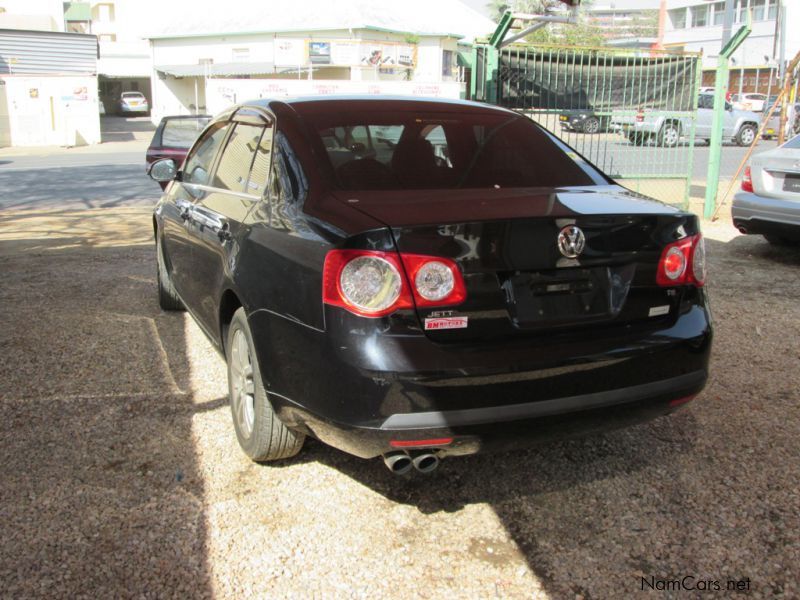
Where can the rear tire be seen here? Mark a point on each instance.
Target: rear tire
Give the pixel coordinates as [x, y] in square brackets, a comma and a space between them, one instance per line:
[637, 139]
[747, 134]
[670, 135]
[168, 298]
[262, 436]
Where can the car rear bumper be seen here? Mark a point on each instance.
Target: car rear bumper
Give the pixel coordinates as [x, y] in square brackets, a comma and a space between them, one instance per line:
[508, 427]
[361, 395]
[760, 214]
[134, 109]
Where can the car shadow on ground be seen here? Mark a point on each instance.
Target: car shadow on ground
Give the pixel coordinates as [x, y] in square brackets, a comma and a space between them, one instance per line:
[101, 491]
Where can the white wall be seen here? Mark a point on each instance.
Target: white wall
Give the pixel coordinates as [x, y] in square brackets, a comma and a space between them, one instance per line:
[44, 15]
[50, 111]
[221, 93]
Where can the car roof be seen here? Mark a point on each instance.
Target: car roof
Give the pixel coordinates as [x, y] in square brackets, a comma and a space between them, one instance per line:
[334, 103]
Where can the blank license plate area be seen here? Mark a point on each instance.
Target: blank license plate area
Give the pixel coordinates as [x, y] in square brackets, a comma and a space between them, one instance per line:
[791, 183]
[566, 295]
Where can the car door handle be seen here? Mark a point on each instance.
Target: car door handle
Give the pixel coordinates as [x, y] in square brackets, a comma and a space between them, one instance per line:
[224, 233]
[212, 222]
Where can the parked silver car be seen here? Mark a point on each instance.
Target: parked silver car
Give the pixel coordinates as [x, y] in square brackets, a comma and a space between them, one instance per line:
[769, 201]
[740, 126]
[132, 103]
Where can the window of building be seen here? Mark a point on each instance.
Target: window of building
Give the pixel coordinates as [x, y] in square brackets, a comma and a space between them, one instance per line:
[107, 37]
[741, 10]
[678, 18]
[772, 10]
[699, 15]
[447, 63]
[758, 7]
[103, 12]
[719, 13]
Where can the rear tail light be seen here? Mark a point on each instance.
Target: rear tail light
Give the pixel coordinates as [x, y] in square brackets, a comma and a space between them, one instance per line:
[640, 116]
[683, 262]
[374, 284]
[436, 281]
[747, 180]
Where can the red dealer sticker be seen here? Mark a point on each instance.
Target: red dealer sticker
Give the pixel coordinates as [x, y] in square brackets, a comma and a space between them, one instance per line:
[446, 323]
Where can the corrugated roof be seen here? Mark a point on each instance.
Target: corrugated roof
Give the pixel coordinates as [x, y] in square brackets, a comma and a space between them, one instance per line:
[236, 17]
[46, 52]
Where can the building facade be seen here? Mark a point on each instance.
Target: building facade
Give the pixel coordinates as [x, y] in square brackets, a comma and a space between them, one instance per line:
[696, 25]
[205, 64]
[48, 89]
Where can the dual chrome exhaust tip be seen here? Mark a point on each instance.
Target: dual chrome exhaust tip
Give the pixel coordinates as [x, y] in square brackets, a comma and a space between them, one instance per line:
[401, 463]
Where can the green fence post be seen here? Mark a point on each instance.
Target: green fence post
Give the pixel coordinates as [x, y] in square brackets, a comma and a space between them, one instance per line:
[720, 87]
[473, 74]
[492, 75]
[698, 81]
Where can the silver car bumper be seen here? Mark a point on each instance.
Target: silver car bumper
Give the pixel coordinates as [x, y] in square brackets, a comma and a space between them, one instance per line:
[748, 206]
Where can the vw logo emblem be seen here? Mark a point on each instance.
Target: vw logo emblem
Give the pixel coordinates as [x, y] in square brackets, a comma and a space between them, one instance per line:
[571, 241]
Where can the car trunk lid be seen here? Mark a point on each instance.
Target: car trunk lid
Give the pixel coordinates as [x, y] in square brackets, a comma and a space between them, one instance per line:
[776, 174]
[518, 282]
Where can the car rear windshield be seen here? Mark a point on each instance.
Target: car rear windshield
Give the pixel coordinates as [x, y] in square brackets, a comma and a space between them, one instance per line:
[132, 95]
[382, 150]
[181, 133]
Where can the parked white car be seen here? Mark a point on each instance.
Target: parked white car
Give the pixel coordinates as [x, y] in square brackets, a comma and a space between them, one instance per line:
[754, 102]
[769, 201]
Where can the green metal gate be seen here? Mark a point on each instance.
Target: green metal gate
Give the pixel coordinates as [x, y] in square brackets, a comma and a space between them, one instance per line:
[630, 112]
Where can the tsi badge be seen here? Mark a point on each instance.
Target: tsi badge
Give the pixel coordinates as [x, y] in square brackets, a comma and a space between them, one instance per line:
[571, 241]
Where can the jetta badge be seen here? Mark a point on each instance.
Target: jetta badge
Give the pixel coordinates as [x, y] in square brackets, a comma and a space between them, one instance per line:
[571, 241]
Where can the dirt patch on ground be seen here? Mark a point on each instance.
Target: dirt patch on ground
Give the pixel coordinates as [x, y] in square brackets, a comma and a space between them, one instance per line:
[121, 475]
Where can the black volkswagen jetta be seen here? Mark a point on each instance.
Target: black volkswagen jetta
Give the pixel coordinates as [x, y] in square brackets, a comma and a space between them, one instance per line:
[419, 279]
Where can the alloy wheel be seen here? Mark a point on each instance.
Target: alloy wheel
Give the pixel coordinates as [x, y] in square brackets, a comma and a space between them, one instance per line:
[242, 383]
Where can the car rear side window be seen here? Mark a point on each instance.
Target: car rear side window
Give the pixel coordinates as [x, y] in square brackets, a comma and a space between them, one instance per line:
[382, 150]
[201, 157]
[237, 158]
[261, 163]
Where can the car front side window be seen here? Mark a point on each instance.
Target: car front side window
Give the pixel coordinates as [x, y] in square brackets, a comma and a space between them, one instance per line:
[199, 162]
[237, 158]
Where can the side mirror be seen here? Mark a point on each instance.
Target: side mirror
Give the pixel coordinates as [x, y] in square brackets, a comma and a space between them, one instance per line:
[163, 170]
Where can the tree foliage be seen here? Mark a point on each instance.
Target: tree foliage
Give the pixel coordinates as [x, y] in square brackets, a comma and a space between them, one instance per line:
[584, 32]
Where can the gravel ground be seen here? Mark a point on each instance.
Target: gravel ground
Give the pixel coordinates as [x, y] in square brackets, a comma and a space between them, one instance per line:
[121, 475]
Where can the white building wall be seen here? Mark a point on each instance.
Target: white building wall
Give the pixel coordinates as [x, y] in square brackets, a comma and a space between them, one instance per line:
[49, 111]
[222, 93]
[40, 15]
[429, 60]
